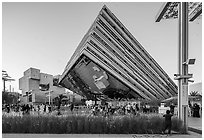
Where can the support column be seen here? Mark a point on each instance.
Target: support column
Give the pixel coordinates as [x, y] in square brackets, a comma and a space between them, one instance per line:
[183, 68]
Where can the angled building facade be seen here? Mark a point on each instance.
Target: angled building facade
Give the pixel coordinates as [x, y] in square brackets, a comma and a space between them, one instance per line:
[109, 61]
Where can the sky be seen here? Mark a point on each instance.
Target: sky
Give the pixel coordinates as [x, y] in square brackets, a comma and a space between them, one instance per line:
[45, 35]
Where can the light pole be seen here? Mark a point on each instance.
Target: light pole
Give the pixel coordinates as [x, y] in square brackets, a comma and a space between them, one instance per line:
[183, 69]
[50, 96]
[182, 76]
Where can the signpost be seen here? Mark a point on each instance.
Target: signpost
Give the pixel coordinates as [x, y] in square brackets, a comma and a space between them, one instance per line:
[185, 13]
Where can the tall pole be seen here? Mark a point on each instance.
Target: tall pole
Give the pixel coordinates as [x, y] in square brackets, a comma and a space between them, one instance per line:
[49, 97]
[183, 68]
[95, 99]
[4, 88]
[10, 88]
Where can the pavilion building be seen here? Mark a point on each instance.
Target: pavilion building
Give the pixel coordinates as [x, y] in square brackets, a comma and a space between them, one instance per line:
[110, 63]
[36, 87]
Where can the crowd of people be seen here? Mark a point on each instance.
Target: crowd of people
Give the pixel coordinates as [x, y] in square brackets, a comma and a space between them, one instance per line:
[111, 109]
[106, 109]
[26, 108]
[194, 110]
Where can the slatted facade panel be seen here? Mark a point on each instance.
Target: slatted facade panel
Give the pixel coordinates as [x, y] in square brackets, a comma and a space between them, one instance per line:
[109, 44]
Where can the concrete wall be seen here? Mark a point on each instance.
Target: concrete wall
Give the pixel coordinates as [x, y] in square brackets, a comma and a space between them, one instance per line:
[31, 81]
[22, 83]
[33, 84]
[32, 73]
[46, 78]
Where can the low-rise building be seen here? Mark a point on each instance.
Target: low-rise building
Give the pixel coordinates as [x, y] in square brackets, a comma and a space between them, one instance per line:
[37, 87]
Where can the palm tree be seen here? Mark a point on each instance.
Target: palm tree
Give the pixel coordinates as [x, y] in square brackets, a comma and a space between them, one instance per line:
[194, 93]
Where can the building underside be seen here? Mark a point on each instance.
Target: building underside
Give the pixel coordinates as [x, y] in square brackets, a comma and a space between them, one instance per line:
[110, 62]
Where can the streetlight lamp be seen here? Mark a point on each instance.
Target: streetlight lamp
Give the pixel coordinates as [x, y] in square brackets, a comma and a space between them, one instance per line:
[185, 13]
[189, 62]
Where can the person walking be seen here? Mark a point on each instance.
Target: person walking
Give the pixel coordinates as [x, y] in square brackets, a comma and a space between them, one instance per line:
[27, 109]
[8, 108]
[167, 122]
[137, 108]
[49, 108]
[197, 111]
[44, 108]
[72, 107]
[128, 108]
[172, 108]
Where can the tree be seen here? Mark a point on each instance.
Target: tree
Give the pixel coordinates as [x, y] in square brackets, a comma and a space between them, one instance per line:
[9, 98]
[194, 93]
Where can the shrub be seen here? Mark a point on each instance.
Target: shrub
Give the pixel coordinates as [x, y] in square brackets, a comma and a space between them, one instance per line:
[84, 124]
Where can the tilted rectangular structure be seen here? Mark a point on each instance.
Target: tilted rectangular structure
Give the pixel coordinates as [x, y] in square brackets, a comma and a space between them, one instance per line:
[109, 60]
[169, 10]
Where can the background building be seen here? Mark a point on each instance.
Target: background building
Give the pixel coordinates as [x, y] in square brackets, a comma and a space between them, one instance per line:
[36, 86]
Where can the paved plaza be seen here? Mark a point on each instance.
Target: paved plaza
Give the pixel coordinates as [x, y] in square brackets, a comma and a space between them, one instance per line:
[195, 122]
[190, 135]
